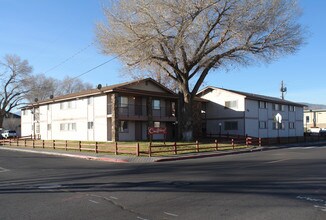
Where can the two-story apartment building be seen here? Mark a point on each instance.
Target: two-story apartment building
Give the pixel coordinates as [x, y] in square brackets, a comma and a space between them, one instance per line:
[113, 113]
[314, 118]
[240, 113]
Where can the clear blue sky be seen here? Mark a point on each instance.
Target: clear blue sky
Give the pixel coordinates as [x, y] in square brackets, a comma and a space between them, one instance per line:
[47, 32]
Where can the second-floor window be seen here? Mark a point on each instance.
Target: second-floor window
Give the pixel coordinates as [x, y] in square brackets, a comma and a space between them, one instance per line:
[123, 101]
[231, 104]
[262, 124]
[156, 104]
[276, 107]
[291, 108]
[262, 104]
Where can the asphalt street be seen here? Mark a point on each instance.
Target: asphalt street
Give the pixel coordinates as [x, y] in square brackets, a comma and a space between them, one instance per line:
[277, 184]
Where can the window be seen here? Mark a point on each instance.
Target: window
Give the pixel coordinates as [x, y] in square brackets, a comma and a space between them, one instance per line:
[282, 108]
[68, 127]
[90, 101]
[49, 127]
[230, 125]
[291, 108]
[278, 126]
[90, 125]
[123, 126]
[24, 112]
[262, 104]
[276, 107]
[48, 107]
[123, 101]
[262, 124]
[291, 125]
[71, 104]
[307, 119]
[231, 104]
[62, 105]
[156, 104]
[157, 124]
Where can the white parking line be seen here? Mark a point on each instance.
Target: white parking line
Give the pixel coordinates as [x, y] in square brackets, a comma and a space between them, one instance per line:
[2, 170]
[276, 161]
[171, 214]
[93, 201]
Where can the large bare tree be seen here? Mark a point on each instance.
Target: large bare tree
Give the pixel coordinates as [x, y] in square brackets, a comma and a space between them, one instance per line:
[41, 87]
[187, 39]
[13, 73]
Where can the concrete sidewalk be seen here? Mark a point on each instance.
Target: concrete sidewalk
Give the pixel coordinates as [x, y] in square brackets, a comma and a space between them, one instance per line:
[127, 159]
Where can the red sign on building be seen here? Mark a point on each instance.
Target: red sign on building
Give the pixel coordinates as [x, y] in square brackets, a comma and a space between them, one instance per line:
[153, 130]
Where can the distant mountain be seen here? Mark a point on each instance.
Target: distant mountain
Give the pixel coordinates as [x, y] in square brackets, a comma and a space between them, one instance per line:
[314, 106]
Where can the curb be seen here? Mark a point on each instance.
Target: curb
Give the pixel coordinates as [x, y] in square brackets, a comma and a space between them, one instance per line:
[208, 155]
[104, 159]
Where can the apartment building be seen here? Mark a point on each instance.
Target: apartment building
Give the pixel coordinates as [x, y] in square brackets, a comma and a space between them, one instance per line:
[121, 112]
[240, 113]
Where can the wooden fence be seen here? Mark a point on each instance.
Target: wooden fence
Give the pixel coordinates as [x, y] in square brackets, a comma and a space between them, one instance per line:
[130, 149]
[96, 147]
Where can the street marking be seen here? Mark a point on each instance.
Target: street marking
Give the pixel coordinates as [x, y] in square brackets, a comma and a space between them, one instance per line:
[171, 214]
[141, 218]
[2, 170]
[321, 205]
[112, 197]
[93, 201]
[276, 161]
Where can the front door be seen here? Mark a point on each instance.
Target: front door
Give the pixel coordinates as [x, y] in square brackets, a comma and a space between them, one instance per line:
[138, 130]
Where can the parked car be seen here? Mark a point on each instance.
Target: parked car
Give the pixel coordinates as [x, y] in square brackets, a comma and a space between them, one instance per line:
[9, 134]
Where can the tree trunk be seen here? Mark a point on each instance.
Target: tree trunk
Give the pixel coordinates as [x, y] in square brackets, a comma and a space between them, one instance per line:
[2, 116]
[185, 117]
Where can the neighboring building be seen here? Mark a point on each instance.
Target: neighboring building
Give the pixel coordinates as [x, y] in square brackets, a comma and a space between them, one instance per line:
[239, 113]
[12, 122]
[314, 118]
[120, 112]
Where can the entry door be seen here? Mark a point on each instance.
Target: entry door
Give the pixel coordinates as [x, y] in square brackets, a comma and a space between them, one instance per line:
[138, 130]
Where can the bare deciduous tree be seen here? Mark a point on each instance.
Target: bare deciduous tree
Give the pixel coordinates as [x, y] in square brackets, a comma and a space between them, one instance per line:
[186, 39]
[70, 85]
[13, 72]
[41, 87]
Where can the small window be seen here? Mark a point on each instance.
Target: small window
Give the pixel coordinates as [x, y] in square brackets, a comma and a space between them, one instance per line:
[123, 101]
[24, 112]
[282, 108]
[231, 104]
[291, 125]
[278, 126]
[123, 127]
[230, 125]
[90, 125]
[156, 104]
[62, 127]
[291, 108]
[276, 107]
[262, 125]
[307, 119]
[49, 127]
[262, 104]
[48, 107]
[62, 105]
[90, 101]
[73, 126]
[157, 124]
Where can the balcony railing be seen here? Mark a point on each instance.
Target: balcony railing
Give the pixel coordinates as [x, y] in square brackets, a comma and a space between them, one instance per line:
[142, 111]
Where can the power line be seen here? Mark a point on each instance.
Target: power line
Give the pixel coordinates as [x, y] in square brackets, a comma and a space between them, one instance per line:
[117, 56]
[69, 58]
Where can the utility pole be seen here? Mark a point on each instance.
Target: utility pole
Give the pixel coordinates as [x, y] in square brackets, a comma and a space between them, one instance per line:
[283, 90]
